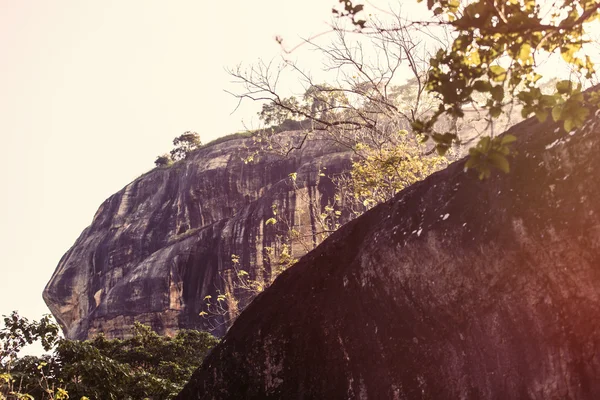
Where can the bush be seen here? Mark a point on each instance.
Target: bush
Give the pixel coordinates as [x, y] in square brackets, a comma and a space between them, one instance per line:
[163, 161]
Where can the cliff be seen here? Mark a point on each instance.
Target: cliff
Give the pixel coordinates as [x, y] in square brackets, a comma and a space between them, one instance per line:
[455, 289]
[156, 248]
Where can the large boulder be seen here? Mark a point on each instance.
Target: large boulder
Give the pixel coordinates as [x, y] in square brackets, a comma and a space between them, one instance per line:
[456, 289]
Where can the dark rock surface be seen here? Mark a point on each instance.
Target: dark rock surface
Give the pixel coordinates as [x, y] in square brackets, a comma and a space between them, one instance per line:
[156, 248]
[455, 289]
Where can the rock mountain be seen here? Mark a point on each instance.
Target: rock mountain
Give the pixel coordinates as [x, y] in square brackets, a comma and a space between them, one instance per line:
[455, 289]
[159, 246]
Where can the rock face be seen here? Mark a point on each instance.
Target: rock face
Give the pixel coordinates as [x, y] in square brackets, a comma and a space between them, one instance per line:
[156, 248]
[455, 289]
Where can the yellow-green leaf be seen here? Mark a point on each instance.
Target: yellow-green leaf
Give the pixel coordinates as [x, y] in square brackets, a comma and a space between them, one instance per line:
[525, 52]
[498, 73]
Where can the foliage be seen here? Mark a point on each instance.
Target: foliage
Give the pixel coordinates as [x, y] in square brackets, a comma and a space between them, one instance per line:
[226, 138]
[19, 331]
[19, 377]
[490, 152]
[496, 52]
[383, 172]
[163, 161]
[364, 108]
[144, 366]
[242, 285]
[184, 144]
[277, 114]
[323, 100]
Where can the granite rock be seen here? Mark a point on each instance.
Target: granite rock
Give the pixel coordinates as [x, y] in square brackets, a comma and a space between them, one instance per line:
[455, 289]
[156, 248]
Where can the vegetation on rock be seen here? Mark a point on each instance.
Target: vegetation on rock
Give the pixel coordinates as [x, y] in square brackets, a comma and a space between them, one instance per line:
[184, 145]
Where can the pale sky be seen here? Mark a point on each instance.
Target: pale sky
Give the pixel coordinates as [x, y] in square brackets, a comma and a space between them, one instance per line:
[91, 91]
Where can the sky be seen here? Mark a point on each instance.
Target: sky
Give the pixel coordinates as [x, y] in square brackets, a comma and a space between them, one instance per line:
[92, 91]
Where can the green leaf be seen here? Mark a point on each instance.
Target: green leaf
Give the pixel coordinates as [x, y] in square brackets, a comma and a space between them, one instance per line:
[484, 144]
[484, 172]
[495, 112]
[482, 86]
[547, 100]
[453, 5]
[499, 161]
[508, 139]
[271, 221]
[557, 112]
[497, 93]
[568, 124]
[542, 114]
[470, 162]
[473, 58]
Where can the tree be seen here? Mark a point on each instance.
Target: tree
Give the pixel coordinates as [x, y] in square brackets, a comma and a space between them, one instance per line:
[144, 366]
[19, 377]
[323, 100]
[163, 161]
[184, 144]
[273, 114]
[19, 332]
[496, 52]
[359, 105]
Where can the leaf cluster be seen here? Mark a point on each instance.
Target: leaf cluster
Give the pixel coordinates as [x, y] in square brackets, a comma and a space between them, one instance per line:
[382, 172]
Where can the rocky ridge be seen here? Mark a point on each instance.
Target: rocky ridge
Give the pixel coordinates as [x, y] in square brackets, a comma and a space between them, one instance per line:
[159, 246]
